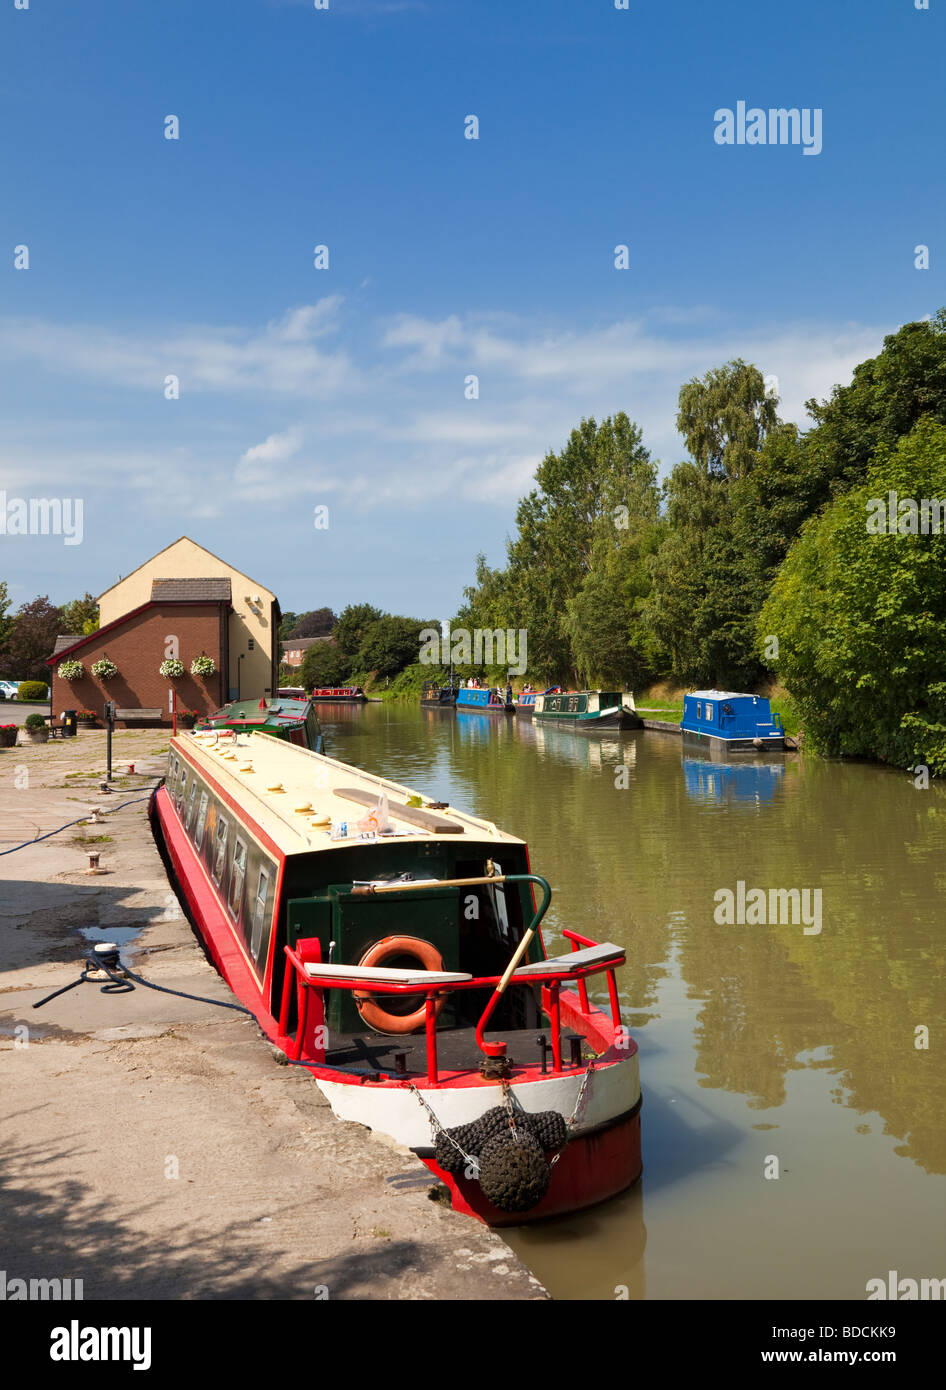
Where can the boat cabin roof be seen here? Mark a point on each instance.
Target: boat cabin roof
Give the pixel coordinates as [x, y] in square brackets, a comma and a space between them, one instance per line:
[722, 695]
[291, 793]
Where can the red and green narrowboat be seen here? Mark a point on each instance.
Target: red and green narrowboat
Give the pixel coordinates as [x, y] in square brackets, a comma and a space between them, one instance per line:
[295, 721]
[394, 949]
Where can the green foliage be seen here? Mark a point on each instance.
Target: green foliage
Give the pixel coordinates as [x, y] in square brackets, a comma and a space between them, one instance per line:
[317, 623]
[859, 618]
[351, 627]
[31, 691]
[80, 616]
[724, 418]
[581, 533]
[390, 643]
[323, 664]
[34, 721]
[31, 640]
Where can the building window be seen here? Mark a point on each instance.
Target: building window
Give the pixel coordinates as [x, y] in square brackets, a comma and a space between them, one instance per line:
[252, 644]
[201, 825]
[223, 830]
[238, 873]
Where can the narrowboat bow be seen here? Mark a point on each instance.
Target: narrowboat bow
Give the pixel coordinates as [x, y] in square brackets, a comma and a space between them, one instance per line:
[395, 951]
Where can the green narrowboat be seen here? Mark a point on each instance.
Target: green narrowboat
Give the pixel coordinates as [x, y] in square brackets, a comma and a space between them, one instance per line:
[589, 710]
[294, 721]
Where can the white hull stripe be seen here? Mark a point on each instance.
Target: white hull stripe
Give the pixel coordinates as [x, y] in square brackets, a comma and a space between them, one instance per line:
[612, 1091]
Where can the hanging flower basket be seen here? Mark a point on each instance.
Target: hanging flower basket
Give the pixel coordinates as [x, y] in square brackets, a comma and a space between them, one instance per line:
[172, 668]
[70, 670]
[203, 665]
[104, 669]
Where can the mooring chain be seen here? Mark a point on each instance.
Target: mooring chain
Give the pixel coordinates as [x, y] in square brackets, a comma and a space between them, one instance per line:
[508, 1102]
[572, 1120]
[439, 1129]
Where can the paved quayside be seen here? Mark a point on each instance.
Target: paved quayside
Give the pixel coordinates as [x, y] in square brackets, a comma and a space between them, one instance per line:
[111, 1096]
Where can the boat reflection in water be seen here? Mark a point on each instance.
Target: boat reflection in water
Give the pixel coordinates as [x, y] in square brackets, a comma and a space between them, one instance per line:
[750, 781]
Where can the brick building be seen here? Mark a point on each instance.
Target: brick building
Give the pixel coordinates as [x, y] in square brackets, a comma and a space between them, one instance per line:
[293, 651]
[184, 602]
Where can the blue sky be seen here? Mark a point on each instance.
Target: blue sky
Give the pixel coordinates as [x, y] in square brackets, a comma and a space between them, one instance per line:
[344, 387]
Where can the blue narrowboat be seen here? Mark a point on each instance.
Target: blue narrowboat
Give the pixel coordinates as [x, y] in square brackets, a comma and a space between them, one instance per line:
[732, 720]
[484, 701]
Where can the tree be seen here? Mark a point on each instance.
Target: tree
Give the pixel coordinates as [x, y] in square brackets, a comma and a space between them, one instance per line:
[352, 625]
[324, 664]
[390, 644]
[6, 620]
[319, 623]
[81, 615]
[286, 624]
[32, 638]
[601, 482]
[859, 616]
[725, 417]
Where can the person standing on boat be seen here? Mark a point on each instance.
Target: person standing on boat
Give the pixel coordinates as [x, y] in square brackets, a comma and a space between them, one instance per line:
[508, 692]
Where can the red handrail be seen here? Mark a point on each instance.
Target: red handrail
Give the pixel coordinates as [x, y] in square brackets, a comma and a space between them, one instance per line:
[551, 982]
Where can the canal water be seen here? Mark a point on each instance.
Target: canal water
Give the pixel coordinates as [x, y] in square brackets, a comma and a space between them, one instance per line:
[793, 1130]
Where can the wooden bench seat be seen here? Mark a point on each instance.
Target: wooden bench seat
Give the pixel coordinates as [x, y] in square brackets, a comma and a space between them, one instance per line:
[385, 975]
[591, 955]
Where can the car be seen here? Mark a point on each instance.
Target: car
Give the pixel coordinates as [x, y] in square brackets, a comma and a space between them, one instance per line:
[9, 689]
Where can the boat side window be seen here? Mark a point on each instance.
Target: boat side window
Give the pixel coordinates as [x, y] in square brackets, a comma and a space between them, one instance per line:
[235, 901]
[709, 710]
[223, 830]
[259, 912]
[190, 802]
[699, 709]
[181, 790]
[172, 774]
[201, 825]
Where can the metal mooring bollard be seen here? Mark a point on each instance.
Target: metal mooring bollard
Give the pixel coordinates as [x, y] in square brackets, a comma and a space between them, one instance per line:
[94, 864]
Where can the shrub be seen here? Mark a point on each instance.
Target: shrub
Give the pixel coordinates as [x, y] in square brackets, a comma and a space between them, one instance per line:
[36, 690]
[203, 665]
[172, 668]
[104, 669]
[67, 671]
[35, 721]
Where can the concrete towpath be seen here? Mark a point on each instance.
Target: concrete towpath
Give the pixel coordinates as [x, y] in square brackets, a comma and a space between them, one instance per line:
[152, 1147]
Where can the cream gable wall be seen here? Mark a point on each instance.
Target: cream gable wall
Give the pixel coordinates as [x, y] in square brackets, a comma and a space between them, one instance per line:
[187, 560]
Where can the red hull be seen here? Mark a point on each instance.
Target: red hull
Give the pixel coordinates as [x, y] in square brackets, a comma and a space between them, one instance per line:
[590, 1170]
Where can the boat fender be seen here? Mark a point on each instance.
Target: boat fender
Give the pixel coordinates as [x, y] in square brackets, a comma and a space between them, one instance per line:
[368, 1005]
[548, 1127]
[513, 1173]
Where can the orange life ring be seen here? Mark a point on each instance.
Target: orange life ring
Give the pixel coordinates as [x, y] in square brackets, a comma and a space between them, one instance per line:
[373, 1014]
